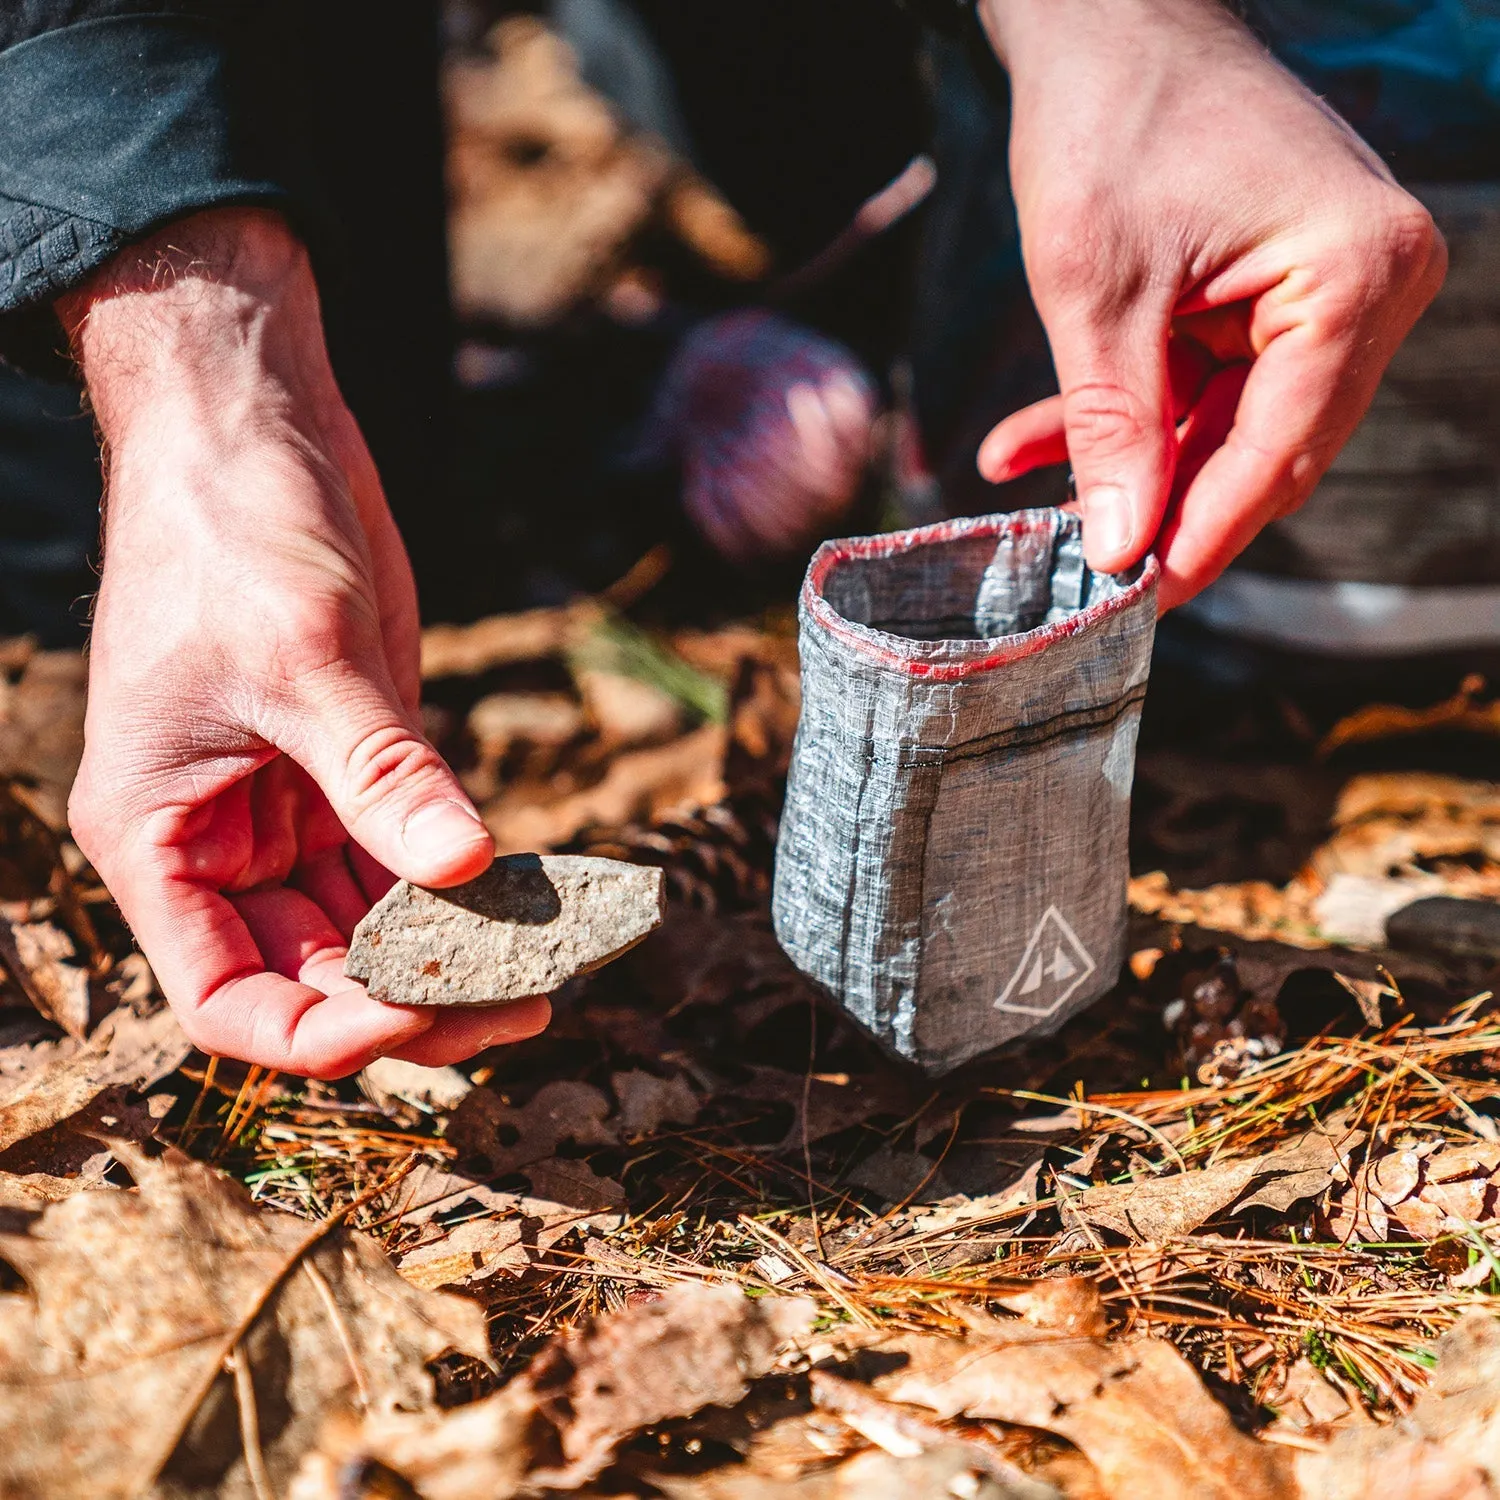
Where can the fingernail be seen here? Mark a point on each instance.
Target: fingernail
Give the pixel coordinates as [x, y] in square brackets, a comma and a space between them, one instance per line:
[438, 830]
[1107, 522]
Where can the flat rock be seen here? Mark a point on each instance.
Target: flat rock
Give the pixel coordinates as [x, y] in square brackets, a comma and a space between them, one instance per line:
[527, 925]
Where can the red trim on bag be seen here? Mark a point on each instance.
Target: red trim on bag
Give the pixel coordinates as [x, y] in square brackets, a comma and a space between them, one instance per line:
[866, 639]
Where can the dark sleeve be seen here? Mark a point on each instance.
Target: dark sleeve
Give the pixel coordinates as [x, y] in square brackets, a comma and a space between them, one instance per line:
[117, 116]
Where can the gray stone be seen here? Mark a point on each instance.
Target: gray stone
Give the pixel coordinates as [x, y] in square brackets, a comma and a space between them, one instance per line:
[528, 924]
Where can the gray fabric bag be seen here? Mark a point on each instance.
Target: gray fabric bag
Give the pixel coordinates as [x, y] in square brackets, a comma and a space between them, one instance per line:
[952, 858]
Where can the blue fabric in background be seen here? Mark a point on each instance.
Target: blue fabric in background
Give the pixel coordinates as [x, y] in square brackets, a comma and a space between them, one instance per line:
[1419, 79]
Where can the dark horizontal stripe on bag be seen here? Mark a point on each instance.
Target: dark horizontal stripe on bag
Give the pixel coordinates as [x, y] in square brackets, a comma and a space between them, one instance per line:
[1078, 721]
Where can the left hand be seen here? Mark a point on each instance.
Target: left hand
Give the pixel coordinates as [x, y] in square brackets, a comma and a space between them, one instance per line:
[1223, 268]
[254, 772]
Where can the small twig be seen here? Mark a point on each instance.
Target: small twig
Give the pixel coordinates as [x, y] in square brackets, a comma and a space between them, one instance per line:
[185, 1135]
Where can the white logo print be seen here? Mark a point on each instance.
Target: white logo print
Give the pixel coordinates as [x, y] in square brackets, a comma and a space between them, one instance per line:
[1054, 964]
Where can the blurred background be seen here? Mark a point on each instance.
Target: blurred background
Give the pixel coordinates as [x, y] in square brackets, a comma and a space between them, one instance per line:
[617, 279]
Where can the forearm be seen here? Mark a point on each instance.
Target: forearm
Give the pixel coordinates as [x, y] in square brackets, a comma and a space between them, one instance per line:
[211, 324]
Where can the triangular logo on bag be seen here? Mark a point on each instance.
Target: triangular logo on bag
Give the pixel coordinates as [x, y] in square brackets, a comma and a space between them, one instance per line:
[1053, 966]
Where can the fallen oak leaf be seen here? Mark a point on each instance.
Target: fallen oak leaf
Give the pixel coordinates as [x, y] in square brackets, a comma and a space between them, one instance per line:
[38, 957]
[127, 1049]
[79, 1148]
[1447, 1448]
[112, 1361]
[1135, 1408]
[505, 1232]
[481, 1451]
[648, 1102]
[947, 1470]
[561, 1421]
[499, 1137]
[1420, 1193]
[1308, 1404]
[33, 1191]
[1167, 1208]
[905, 1432]
[820, 1106]
[389, 1079]
[685, 773]
[692, 1347]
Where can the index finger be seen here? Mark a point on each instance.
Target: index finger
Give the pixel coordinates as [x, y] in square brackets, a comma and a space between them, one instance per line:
[1304, 395]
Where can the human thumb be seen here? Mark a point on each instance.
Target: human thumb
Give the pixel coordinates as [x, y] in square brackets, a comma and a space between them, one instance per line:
[386, 784]
[1121, 440]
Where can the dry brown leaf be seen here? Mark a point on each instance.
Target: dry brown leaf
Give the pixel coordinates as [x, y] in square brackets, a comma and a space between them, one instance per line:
[39, 958]
[942, 1471]
[626, 710]
[694, 1346]
[1135, 1408]
[686, 773]
[41, 729]
[1419, 1193]
[33, 1191]
[560, 1422]
[1368, 993]
[1308, 1404]
[496, 1137]
[648, 1102]
[112, 1360]
[1066, 1304]
[1424, 833]
[1382, 721]
[534, 726]
[492, 1231]
[1251, 909]
[28, 1047]
[1439, 832]
[1448, 1448]
[903, 1432]
[77, 1149]
[501, 720]
[822, 1106]
[1160, 1209]
[968, 1213]
[389, 1079]
[128, 1050]
[498, 640]
[478, 1452]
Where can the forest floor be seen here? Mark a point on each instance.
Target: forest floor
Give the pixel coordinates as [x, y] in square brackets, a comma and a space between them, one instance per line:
[1235, 1229]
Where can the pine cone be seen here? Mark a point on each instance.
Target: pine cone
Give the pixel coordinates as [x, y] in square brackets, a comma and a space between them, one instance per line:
[716, 860]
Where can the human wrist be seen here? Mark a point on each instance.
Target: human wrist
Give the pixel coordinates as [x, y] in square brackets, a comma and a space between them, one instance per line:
[211, 324]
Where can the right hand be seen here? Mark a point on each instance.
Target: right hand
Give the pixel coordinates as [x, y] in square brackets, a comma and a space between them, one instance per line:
[1223, 267]
[253, 771]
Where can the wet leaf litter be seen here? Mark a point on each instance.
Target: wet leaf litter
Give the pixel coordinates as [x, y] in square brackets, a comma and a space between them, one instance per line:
[703, 1239]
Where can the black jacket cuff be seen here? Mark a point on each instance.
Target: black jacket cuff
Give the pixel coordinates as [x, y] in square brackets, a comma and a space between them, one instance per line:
[110, 128]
